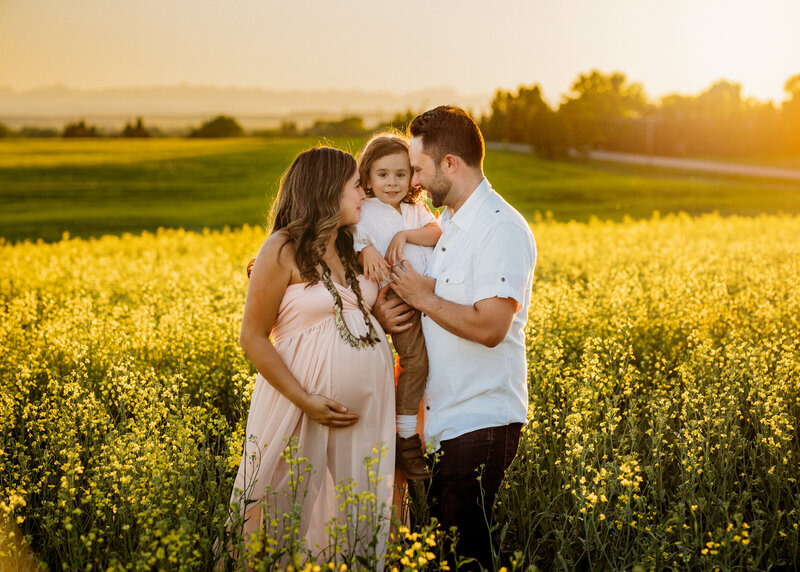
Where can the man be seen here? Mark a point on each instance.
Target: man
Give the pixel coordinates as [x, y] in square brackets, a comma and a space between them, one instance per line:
[473, 301]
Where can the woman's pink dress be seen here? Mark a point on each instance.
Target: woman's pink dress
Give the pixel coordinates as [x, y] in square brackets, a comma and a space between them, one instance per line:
[307, 340]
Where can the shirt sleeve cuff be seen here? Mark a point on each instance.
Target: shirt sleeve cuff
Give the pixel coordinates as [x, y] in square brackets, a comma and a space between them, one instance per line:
[501, 287]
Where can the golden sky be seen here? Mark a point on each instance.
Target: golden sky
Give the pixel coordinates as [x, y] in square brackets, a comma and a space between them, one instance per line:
[474, 47]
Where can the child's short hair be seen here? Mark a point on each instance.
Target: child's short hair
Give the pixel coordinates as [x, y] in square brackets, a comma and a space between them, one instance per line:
[380, 145]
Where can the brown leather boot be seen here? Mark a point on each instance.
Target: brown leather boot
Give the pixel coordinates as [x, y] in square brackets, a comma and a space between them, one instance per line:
[410, 459]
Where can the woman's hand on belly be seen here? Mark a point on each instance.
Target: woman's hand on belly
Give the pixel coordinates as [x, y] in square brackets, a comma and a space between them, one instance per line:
[326, 411]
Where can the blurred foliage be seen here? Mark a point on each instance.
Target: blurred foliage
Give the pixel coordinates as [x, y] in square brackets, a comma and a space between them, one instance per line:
[136, 129]
[80, 129]
[220, 126]
[29, 131]
[352, 126]
[606, 111]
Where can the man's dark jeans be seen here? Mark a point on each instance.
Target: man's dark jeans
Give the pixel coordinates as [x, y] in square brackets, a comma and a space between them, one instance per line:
[455, 494]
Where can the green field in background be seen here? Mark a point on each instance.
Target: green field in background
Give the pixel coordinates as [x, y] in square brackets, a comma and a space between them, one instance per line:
[96, 187]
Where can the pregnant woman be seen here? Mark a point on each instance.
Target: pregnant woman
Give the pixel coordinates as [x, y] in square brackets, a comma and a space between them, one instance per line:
[324, 365]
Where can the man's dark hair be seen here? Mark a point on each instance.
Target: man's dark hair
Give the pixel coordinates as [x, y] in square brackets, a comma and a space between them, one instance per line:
[448, 130]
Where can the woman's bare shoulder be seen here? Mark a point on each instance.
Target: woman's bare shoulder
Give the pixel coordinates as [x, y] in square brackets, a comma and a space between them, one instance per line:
[276, 243]
[278, 253]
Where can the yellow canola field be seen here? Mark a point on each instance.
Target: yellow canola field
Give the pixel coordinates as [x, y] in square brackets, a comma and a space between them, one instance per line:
[664, 373]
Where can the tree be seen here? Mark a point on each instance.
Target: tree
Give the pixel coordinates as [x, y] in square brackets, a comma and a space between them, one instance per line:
[352, 126]
[288, 129]
[399, 122]
[29, 131]
[220, 126]
[722, 102]
[525, 117]
[605, 96]
[79, 129]
[603, 109]
[792, 89]
[718, 121]
[285, 129]
[136, 130]
[5, 131]
[790, 113]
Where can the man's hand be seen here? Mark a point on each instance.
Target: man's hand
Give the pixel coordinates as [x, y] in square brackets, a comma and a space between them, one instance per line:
[485, 322]
[392, 314]
[410, 285]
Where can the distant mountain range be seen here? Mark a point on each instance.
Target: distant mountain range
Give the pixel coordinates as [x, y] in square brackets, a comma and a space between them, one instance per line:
[174, 107]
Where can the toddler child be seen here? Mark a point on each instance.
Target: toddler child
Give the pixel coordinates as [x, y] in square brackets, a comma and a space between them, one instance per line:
[396, 225]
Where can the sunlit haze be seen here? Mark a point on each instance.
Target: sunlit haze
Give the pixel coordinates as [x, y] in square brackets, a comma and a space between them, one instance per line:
[474, 47]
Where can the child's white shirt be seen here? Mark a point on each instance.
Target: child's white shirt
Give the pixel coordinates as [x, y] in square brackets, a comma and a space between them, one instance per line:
[379, 223]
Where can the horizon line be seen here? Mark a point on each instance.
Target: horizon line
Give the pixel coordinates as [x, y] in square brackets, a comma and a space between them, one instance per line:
[489, 94]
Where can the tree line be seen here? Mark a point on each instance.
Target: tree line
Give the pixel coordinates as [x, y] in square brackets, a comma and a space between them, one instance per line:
[219, 126]
[606, 111]
[601, 111]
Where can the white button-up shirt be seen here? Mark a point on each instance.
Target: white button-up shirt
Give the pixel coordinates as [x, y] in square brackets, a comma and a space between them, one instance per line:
[379, 223]
[486, 250]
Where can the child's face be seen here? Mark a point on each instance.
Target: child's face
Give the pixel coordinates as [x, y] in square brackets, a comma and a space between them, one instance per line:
[389, 178]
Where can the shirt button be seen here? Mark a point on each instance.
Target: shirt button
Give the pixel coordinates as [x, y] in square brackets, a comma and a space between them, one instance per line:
[428, 407]
[444, 249]
[424, 315]
[503, 279]
[447, 280]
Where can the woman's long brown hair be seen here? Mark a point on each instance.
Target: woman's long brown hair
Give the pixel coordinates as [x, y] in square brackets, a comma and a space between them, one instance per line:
[307, 208]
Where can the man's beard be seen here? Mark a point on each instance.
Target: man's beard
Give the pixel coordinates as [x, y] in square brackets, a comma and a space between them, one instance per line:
[439, 189]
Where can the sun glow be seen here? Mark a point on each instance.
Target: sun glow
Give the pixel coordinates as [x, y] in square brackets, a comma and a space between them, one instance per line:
[474, 47]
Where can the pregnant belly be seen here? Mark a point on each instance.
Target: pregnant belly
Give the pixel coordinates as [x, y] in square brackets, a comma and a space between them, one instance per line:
[359, 377]
[323, 363]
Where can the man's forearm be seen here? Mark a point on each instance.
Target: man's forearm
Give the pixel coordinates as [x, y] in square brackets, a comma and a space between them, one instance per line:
[486, 322]
[483, 325]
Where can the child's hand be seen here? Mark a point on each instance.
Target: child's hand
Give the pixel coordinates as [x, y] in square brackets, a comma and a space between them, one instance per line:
[394, 252]
[375, 267]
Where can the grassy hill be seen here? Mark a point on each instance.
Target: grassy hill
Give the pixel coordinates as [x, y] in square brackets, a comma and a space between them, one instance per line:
[96, 187]
[578, 191]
